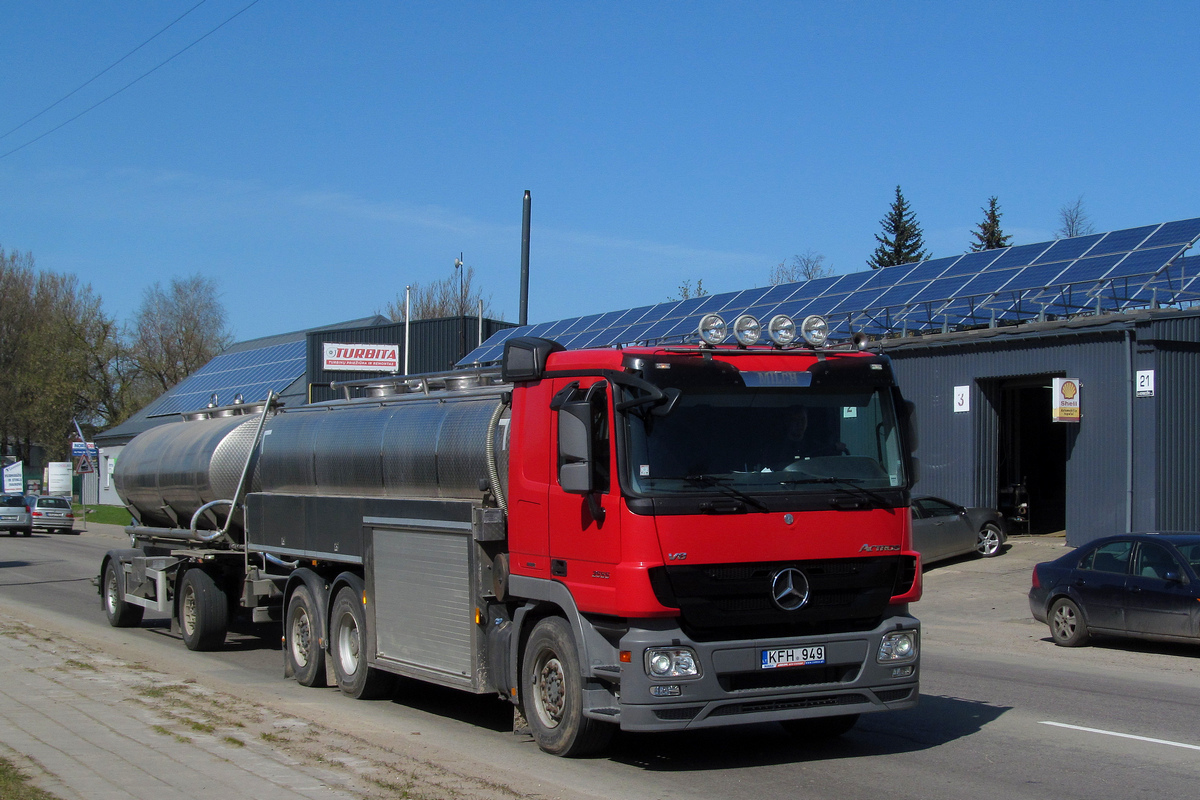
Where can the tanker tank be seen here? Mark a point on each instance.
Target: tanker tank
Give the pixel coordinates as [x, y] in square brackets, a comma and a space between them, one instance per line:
[168, 472]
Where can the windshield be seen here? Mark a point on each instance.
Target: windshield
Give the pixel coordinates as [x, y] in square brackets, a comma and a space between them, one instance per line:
[766, 439]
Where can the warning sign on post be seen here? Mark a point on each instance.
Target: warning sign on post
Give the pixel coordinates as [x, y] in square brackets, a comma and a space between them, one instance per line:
[1065, 406]
[82, 465]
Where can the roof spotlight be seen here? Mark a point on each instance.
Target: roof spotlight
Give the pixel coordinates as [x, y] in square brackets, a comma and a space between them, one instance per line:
[712, 329]
[815, 330]
[782, 329]
[747, 329]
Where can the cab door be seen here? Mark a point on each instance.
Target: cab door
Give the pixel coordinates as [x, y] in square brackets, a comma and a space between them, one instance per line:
[585, 526]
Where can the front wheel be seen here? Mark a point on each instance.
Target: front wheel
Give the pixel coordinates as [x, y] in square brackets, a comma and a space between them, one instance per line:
[552, 693]
[348, 646]
[1067, 627]
[305, 657]
[203, 611]
[989, 541]
[120, 613]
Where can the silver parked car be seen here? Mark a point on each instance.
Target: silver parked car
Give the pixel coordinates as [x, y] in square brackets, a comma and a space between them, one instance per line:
[51, 513]
[942, 529]
[14, 516]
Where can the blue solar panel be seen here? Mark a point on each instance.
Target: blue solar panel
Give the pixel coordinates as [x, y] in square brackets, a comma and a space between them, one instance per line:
[1068, 249]
[1121, 268]
[250, 373]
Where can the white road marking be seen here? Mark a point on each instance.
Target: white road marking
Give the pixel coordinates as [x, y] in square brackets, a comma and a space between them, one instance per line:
[1122, 735]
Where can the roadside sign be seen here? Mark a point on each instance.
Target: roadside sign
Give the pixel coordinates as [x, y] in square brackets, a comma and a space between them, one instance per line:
[84, 449]
[83, 465]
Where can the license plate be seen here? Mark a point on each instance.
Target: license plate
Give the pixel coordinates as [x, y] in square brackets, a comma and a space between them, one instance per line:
[9, 518]
[53, 513]
[793, 657]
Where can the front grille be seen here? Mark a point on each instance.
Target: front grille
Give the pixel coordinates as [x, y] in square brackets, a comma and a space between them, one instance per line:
[789, 705]
[677, 713]
[782, 678]
[849, 594]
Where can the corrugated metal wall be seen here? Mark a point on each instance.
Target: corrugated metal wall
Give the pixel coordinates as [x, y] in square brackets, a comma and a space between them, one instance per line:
[437, 344]
[1177, 422]
[959, 451]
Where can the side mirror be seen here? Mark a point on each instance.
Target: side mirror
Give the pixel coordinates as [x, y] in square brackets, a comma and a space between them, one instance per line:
[1173, 577]
[575, 436]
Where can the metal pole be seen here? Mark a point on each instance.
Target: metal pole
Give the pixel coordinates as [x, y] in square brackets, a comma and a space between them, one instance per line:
[480, 343]
[524, 318]
[407, 315]
[96, 472]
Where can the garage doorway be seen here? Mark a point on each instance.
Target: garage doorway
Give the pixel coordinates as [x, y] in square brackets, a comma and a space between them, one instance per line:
[1031, 468]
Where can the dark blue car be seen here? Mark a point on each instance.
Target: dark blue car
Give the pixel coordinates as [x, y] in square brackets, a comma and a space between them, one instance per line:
[1144, 585]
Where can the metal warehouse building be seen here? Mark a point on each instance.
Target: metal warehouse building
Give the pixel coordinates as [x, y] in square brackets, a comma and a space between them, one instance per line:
[984, 399]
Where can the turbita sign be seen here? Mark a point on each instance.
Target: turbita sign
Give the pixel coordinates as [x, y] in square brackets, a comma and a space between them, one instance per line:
[360, 357]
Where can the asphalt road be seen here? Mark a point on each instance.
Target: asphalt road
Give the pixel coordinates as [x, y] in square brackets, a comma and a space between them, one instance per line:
[1004, 713]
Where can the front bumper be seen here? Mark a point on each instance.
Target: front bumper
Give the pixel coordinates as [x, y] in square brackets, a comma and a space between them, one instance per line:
[734, 689]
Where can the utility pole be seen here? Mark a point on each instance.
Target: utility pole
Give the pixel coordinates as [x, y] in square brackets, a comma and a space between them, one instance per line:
[462, 310]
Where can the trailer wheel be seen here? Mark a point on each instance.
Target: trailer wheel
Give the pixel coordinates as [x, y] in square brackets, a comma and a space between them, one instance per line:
[347, 639]
[203, 611]
[552, 693]
[305, 657]
[120, 613]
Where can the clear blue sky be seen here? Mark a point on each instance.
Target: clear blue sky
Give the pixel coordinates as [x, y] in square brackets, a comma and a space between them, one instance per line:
[316, 157]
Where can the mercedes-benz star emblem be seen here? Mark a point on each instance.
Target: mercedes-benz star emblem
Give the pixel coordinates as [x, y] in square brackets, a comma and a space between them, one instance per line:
[789, 589]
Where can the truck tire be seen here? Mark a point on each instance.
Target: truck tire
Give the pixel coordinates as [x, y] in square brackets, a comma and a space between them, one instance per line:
[302, 631]
[203, 611]
[112, 596]
[347, 645]
[552, 693]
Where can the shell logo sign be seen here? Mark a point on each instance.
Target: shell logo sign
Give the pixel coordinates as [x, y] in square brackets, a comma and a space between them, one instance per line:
[1065, 406]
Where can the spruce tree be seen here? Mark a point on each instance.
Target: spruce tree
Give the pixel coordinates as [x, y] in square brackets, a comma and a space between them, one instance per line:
[902, 241]
[989, 236]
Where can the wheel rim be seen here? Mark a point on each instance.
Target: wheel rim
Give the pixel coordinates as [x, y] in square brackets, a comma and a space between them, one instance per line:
[549, 690]
[989, 541]
[110, 593]
[1064, 622]
[188, 617]
[349, 644]
[301, 637]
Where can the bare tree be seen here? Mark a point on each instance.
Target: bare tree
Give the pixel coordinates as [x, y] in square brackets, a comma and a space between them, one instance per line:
[805, 267]
[454, 296]
[687, 291]
[178, 330]
[1074, 221]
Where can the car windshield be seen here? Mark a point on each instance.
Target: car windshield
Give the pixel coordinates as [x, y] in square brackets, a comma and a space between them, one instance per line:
[766, 439]
[52, 502]
[1191, 552]
[13, 501]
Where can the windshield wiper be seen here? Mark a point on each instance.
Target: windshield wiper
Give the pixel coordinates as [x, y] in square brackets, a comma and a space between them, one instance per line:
[845, 483]
[722, 485]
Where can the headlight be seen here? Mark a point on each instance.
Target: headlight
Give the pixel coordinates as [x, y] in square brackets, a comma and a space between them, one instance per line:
[815, 330]
[712, 329]
[671, 662]
[747, 329]
[782, 329]
[898, 646]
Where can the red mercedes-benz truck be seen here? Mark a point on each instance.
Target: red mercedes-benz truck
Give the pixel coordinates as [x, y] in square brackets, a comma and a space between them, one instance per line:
[639, 538]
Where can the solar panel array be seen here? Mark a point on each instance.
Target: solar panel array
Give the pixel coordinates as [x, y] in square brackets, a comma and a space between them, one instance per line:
[250, 373]
[1103, 272]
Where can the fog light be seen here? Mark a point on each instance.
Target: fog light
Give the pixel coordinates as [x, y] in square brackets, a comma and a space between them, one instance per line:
[781, 329]
[747, 330]
[671, 662]
[898, 646]
[666, 690]
[712, 329]
[815, 330]
[903, 672]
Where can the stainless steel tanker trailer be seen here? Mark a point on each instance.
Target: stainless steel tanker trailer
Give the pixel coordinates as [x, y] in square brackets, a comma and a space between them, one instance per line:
[593, 535]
